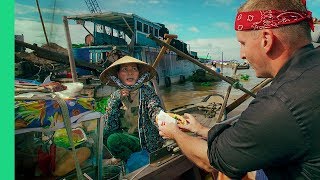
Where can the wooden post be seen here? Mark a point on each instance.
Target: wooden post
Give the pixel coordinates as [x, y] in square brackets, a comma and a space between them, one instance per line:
[168, 38]
[71, 58]
[163, 49]
[226, 97]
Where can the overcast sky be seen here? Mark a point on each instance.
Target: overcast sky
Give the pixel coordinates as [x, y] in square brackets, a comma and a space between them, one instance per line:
[206, 25]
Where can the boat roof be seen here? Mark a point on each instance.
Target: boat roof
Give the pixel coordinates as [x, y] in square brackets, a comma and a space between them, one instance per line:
[114, 20]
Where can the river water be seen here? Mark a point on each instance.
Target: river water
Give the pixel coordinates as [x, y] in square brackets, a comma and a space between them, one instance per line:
[190, 92]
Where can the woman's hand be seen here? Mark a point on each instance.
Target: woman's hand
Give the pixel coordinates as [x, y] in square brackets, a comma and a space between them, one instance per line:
[124, 93]
[167, 130]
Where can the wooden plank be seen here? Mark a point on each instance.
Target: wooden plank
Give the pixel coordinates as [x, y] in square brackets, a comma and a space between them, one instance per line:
[170, 170]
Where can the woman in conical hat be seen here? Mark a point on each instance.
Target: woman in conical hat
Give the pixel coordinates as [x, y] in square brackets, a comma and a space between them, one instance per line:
[145, 70]
[130, 126]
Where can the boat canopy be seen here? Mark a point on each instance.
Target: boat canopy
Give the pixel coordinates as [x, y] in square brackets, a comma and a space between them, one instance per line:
[126, 22]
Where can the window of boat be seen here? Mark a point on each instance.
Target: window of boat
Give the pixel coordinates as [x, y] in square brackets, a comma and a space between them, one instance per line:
[115, 33]
[151, 30]
[145, 28]
[108, 30]
[118, 33]
[100, 28]
[156, 32]
[139, 26]
[121, 34]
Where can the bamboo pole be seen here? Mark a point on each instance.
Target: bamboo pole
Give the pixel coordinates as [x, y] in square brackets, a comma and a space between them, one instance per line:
[198, 63]
[43, 27]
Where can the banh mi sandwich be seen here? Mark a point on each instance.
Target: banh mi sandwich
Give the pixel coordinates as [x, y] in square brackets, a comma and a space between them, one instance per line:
[170, 118]
[180, 119]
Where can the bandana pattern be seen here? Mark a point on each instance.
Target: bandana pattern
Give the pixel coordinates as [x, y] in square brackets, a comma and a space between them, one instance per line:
[135, 86]
[268, 19]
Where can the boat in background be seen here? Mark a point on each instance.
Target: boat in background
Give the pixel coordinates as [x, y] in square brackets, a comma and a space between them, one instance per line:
[243, 66]
[117, 34]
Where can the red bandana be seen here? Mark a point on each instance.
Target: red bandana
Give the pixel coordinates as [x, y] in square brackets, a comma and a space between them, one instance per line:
[268, 19]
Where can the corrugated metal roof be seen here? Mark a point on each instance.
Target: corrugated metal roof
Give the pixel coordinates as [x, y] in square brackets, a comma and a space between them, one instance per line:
[112, 19]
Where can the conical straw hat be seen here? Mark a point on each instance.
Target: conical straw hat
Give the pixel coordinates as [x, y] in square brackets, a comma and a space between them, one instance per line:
[112, 70]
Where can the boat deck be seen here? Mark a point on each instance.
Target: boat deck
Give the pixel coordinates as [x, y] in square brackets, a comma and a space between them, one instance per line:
[173, 168]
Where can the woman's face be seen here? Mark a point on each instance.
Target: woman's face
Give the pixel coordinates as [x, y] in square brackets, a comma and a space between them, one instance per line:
[128, 73]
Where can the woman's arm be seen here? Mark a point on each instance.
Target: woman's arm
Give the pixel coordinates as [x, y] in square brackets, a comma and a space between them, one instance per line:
[112, 113]
[152, 101]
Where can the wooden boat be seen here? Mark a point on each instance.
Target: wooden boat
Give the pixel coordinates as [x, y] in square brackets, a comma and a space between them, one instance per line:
[117, 34]
[243, 66]
[207, 110]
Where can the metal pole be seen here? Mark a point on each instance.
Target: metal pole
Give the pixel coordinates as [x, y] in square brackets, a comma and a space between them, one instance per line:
[43, 27]
[71, 58]
[222, 62]
[228, 80]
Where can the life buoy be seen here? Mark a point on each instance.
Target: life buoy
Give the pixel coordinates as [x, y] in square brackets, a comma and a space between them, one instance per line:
[182, 79]
[167, 81]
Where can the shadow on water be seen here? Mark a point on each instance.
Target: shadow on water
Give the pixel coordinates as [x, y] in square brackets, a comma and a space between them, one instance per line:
[191, 92]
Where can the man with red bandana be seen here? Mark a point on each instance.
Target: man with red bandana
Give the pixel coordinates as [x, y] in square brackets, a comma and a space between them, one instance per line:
[279, 131]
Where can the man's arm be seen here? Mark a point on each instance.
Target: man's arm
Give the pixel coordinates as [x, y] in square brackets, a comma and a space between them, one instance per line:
[187, 145]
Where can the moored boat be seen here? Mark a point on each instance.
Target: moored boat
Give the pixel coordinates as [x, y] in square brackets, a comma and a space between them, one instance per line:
[116, 34]
[243, 66]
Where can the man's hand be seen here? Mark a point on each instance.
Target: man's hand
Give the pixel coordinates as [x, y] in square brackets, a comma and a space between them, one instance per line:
[192, 124]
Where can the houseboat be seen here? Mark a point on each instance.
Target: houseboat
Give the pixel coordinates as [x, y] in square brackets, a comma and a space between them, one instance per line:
[115, 34]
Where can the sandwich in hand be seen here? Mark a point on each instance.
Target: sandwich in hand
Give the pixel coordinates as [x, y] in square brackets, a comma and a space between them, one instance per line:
[163, 117]
[179, 119]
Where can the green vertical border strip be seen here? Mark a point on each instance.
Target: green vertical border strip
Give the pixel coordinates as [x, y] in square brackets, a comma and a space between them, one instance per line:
[7, 89]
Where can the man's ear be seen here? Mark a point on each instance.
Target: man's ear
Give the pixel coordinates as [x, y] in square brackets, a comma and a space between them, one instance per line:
[267, 41]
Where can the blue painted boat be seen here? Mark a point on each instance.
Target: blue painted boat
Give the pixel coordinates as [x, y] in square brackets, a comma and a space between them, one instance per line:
[117, 34]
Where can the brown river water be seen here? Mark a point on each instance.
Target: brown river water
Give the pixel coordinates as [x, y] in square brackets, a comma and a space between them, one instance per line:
[190, 92]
